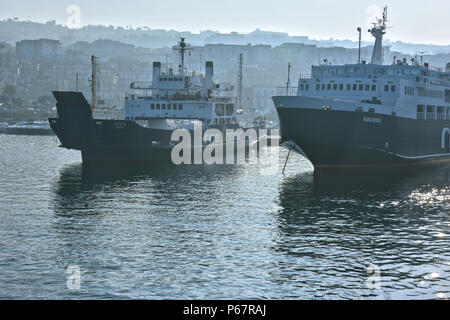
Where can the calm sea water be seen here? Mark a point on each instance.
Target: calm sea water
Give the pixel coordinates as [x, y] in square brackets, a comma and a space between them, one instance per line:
[216, 232]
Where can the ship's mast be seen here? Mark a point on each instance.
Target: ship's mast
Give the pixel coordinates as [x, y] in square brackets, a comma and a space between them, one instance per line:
[378, 30]
[182, 48]
[359, 46]
[288, 83]
[94, 82]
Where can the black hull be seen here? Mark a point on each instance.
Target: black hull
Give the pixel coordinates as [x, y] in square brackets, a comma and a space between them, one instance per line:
[350, 140]
[114, 142]
[104, 141]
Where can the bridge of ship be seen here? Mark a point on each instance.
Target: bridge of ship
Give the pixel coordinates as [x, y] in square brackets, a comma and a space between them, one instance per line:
[217, 111]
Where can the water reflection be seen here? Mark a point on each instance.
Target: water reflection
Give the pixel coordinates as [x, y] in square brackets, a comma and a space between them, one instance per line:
[310, 236]
[159, 233]
[80, 187]
[335, 227]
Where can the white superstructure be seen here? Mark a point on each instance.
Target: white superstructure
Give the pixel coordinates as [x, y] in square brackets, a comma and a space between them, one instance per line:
[181, 95]
[409, 89]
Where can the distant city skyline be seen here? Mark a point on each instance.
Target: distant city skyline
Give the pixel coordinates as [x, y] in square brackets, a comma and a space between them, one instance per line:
[410, 21]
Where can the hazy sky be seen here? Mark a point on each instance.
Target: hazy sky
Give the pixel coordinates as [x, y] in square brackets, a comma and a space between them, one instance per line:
[415, 21]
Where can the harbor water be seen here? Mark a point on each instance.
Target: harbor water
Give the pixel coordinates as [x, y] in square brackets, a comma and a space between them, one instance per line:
[216, 232]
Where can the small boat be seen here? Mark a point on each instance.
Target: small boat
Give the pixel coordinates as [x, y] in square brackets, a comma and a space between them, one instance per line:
[3, 127]
[36, 128]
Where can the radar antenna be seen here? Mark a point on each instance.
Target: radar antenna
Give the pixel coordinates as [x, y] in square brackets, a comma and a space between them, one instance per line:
[182, 48]
[378, 30]
[421, 53]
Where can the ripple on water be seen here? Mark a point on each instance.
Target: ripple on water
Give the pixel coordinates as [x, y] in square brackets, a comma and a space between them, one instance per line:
[216, 232]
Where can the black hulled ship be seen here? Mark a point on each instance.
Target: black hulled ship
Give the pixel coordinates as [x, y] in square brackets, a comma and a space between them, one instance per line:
[152, 111]
[369, 115]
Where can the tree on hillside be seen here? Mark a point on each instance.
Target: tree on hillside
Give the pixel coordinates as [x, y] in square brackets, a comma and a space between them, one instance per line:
[9, 90]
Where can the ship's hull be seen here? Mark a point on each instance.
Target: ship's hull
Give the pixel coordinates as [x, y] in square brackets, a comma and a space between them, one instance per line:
[123, 142]
[102, 141]
[114, 142]
[333, 139]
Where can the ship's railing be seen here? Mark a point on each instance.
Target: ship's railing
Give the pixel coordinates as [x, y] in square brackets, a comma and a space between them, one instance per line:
[436, 68]
[223, 99]
[142, 95]
[305, 76]
[439, 82]
[142, 85]
[284, 91]
[172, 97]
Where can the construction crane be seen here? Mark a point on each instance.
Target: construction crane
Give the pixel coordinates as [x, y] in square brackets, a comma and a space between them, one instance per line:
[240, 84]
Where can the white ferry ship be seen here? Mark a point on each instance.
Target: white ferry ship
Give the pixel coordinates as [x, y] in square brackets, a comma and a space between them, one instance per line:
[369, 115]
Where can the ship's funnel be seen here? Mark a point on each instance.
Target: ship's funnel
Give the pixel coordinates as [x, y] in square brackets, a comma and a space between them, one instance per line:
[156, 74]
[209, 75]
[156, 71]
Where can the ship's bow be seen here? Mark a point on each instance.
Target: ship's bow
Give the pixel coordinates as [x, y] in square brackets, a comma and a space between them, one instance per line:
[333, 138]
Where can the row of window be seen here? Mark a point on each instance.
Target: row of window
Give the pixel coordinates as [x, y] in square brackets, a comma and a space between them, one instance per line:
[348, 87]
[170, 79]
[365, 70]
[222, 109]
[409, 91]
[433, 112]
[386, 88]
[430, 93]
[170, 106]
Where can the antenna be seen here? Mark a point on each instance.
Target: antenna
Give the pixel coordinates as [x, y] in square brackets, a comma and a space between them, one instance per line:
[288, 78]
[97, 78]
[182, 48]
[378, 31]
[359, 46]
[166, 63]
[421, 56]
